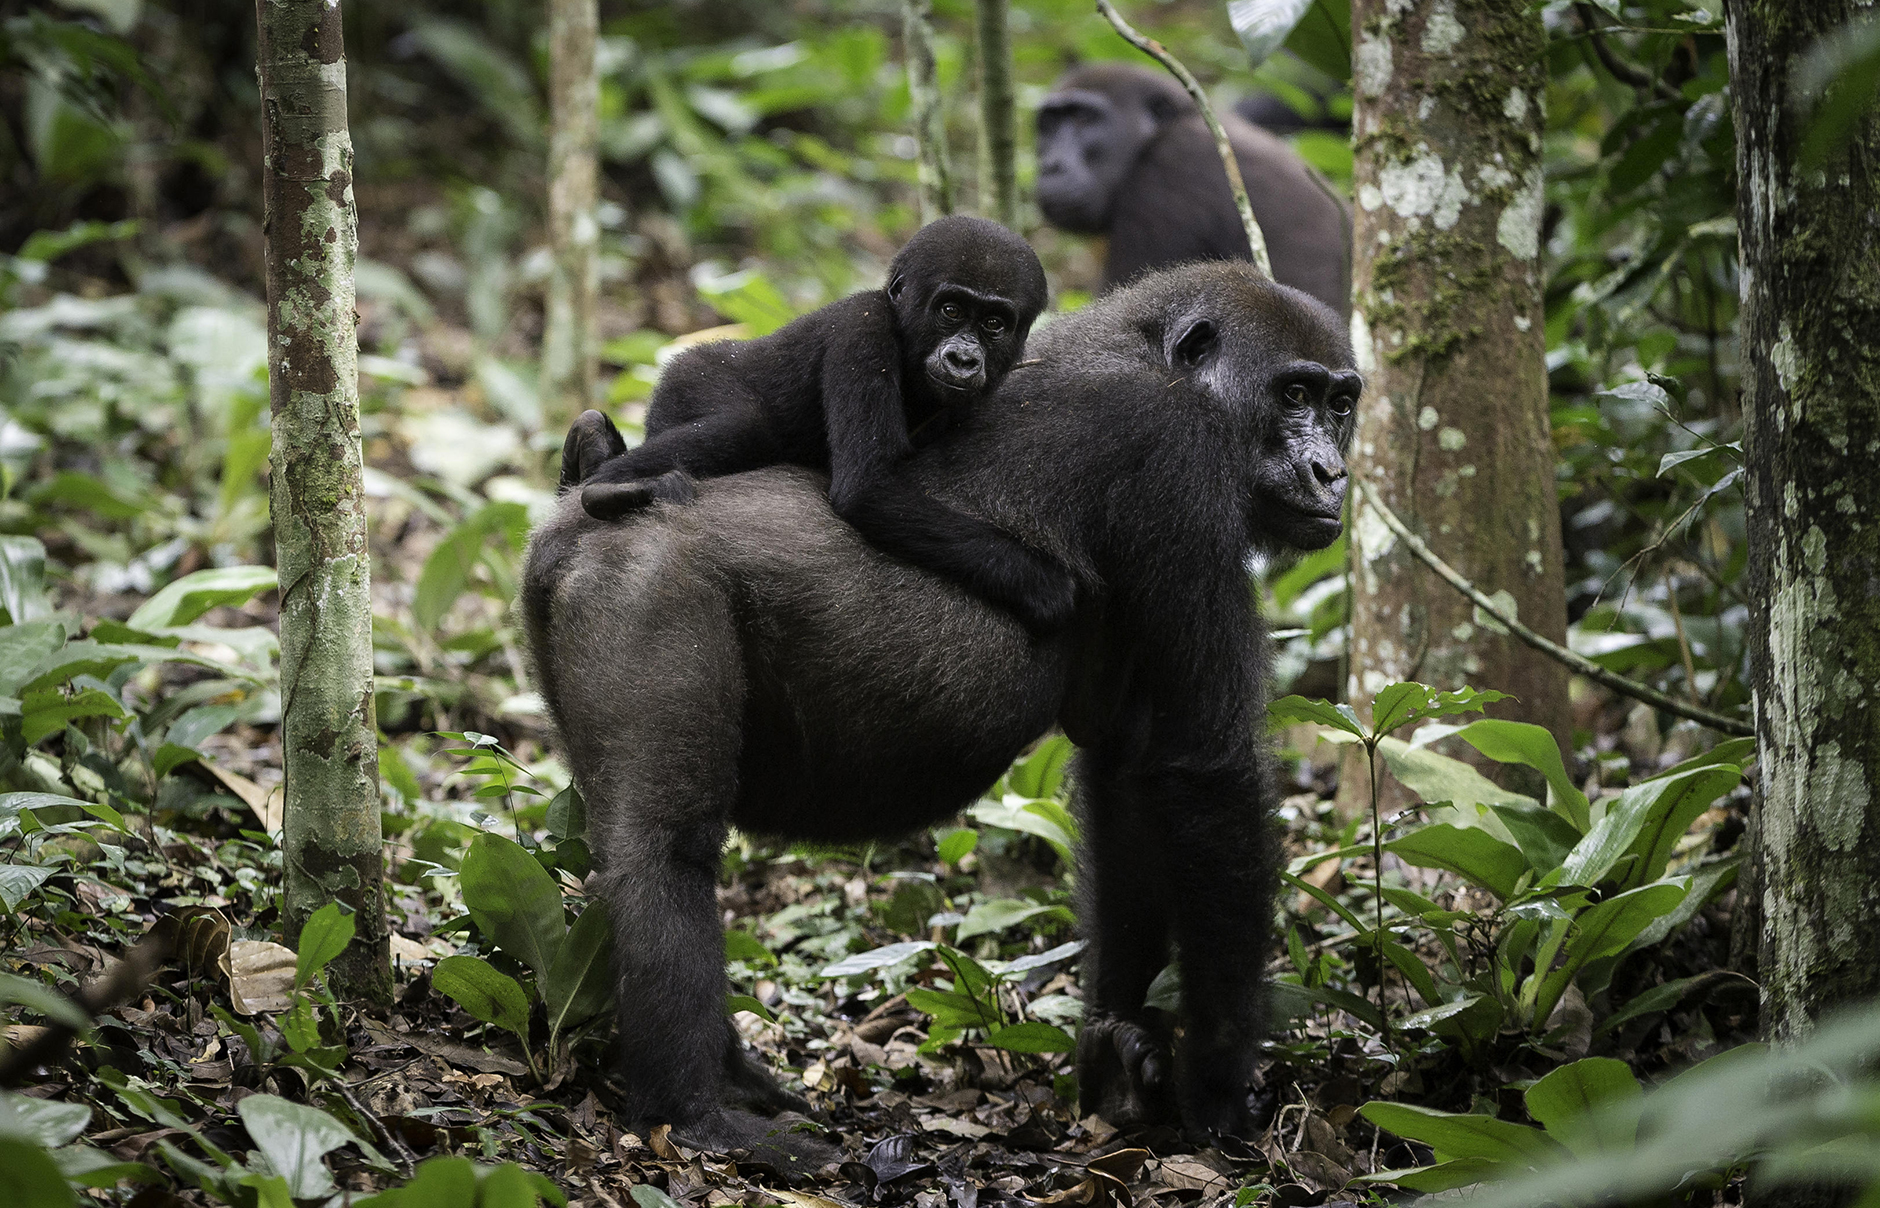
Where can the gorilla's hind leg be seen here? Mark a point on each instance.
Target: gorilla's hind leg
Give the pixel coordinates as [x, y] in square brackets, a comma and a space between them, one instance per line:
[592, 441]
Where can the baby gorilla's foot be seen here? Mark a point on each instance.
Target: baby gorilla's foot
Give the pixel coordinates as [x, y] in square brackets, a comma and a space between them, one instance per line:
[613, 500]
[592, 439]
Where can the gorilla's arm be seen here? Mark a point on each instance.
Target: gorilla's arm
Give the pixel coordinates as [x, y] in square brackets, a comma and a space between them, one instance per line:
[869, 487]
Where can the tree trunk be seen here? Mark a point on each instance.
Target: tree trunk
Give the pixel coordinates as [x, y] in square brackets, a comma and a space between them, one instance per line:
[329, 734]
[930, 128]
[1448, 330]
[570, 363]
[1811, 412]
[998, 118]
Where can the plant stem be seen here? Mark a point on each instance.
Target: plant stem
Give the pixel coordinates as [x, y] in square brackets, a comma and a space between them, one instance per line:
[930, 131]
[998, 116]
[1377, 887]
[1256, 241]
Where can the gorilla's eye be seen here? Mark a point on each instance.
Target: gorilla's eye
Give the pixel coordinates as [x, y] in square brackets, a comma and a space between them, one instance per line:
[1297, 396]
[994, 324]
[950, 311]
[1341, 406]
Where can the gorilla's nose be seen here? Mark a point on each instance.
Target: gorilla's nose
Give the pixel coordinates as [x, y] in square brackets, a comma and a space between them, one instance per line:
[962, 362]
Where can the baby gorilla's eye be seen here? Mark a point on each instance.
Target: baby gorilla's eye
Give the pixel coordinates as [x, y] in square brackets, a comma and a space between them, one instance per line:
[1296, 395]
[994, 324]
[950, 311]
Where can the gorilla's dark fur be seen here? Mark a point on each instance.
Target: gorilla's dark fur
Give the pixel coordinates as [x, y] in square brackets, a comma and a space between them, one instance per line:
[1123, 152]
[843, 390]
[750, 660]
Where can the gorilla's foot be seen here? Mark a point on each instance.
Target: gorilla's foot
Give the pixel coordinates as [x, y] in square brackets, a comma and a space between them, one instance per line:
[592, 439]
[1123, 1074]
[787, 1143]
[749, 1085]
[613, 500]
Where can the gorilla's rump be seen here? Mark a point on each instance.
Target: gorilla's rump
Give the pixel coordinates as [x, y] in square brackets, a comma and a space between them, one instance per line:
[754, 630]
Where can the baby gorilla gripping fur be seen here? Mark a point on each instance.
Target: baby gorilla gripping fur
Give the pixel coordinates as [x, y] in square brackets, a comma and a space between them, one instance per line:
[846, 390]
[750, 661]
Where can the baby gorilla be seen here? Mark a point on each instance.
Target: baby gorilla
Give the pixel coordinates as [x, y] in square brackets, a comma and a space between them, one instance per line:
[850, 390]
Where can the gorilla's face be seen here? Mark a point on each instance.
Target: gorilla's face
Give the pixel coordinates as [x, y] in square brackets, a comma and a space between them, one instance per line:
[1299, 478]
[1087, 145]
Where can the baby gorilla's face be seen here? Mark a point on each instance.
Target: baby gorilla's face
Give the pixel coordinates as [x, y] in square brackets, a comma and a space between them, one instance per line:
[974, 339]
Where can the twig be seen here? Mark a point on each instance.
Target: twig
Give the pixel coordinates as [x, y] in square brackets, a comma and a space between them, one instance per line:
[386, 1136]
[1155, 50]
[930, 135]
[1624, 72]
[1578, 662]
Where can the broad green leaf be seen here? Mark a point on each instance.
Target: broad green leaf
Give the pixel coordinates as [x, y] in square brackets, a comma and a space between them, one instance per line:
[45, 713]
[1469, 852]
[90, 1167]
[46, 1122]
[1525, 743]
[19, 880]
[1577, 1105]
[1293, 710]
[23, 579]
[1543, 836]
[741, 945]
[1414, 971]
[294, 1138]
[1443, 1176]
[1434, 776]
[648, 1196]
[878, 958]
[1601, 931]
[1462, 1136]
[1703, 887]
[1001, 913]
[1643, 824]
[513, 900]
[487, 993]
[447, 571]
[749, 298]
[23, 648]
[1041, 773]
[1035, 960]
[745, 1002]
[324, 936]
[1031, 1037]
[567, 815]
[1263, 25]
[952, 1009]
[1323, 38]
[32, 1177]
[1325, 899]
[437, 1183]
[1672, 815]
[1396, 704]
[1668, 995]
[1437, 1014]
[957, 844]
[189, 597]
[1739, 751]
[579, 983]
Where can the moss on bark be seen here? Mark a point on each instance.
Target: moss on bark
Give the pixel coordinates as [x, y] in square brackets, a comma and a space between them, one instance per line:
[570, 360]
[329, 736]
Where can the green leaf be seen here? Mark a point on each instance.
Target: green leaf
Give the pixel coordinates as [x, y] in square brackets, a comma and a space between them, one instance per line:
[1397, 704]
[1543, 836]
[1467, 851]
[1578, 1105]
[323, 936]
[1604, 930]
[1326, 900]
[1664, 997]
[1644, 824]
[1525, 743]
[1031, 1037]
[878, 958]
[746, 1002]
[510, 1186]
[648, 1196]
[567, 815]
[189, 597]
[1433, 776]
[1444, 1176]
[294, 1138]
[46, 1122]
[988, 918]
[37, 996]
[749, 298]
[957, 844]
[437, 1183]
[1041, 773]
[1296, 710]
[579, 986]
[19, 880]
[741, 945]
[23, 578]
[32, 1177]
[1323, 38]
[447, 571]
[1462, 1136]
[513, 900]
[952, 1009]
[487, 993]
[45, 713]
[23, 648]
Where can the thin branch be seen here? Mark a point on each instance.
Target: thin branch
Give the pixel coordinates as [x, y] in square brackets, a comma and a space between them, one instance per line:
[998, 115]
[930, 134]
[1155, 50]
[1623, 71]
[1578, 662]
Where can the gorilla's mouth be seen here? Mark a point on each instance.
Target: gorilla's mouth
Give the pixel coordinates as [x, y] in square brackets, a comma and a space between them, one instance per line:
[960, 382]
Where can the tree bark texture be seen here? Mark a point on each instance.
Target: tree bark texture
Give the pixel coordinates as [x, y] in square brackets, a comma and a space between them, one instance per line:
[930, 130]
[570, 361]
[998, 116]
[329, 733]
[1810, 240]
[1447, 324]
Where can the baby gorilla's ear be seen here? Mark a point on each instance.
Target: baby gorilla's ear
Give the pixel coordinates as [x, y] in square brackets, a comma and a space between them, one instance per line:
[896, 284]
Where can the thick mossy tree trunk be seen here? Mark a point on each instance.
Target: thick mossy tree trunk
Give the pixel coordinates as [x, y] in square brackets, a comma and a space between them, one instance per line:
[930, 128]
[1447, 326]
[329, 734]
[570, 361]
[1811, 409]
[998, 116]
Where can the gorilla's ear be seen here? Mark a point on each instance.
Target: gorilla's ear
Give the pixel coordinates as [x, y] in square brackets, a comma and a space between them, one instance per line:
[1198, 338]
[896, 284]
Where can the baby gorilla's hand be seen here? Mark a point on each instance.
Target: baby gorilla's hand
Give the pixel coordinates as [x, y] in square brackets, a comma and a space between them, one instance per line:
[614, 500]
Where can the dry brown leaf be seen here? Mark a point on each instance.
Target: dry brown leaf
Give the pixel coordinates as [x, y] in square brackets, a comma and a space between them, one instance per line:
[266, 803]
[801, 1200]
[449, 1051]
[1317, 1171]
[261, 977]
[409, 951]
[1190, 1174]
[1121, 1164]
[660, 1141]
[958, 1127]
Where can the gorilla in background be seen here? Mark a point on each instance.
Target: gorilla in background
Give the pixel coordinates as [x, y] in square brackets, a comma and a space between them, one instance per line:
[1123, 152]
[748, 659]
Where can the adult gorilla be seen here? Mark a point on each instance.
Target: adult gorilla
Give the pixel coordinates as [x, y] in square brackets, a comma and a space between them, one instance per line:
[749, 660]
[1123, 152]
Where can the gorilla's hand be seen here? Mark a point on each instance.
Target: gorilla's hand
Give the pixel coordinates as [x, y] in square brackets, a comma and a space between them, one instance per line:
[1123, 1073]
[613, 500]
[592, 439]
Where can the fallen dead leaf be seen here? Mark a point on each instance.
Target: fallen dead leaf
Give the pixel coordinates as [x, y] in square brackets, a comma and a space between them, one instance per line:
[1189, 1174]
[409, 951]
[786, 1196]
[449, 1051]
[958, 1127]
[261, 977]
[266, 803]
